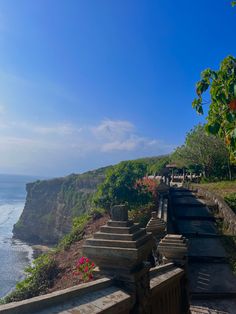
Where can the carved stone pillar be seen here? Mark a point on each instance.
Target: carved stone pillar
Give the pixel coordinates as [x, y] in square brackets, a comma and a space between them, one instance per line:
[120, 249]
[158, 229]
[174, 248]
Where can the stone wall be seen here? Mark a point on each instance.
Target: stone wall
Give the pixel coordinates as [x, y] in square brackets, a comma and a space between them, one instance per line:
[227, 214]
[103, 296]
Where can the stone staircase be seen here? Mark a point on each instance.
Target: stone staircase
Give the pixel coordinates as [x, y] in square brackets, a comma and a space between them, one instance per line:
[211, 280]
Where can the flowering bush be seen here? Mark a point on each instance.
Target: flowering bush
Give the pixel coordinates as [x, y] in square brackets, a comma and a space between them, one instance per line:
[148, 185]
[84, 269]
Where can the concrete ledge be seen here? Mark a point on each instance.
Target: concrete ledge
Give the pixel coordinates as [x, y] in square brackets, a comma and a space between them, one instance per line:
[36, 304]
[162, 275]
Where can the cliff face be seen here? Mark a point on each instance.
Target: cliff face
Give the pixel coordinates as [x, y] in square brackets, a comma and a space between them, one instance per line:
[51, 205]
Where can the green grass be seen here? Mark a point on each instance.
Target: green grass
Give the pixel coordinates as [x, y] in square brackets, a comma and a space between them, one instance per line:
[222, 188]
[76, 234]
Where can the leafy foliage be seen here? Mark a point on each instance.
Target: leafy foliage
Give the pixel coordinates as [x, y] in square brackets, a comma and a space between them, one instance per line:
[222, 111]
[119, 186]
[39, 278]
[155, 165]
[231, 201]
[202, 152]
[76, 234]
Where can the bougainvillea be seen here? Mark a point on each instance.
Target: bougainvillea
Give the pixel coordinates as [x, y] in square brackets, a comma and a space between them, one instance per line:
[84, 269]
[147, 185]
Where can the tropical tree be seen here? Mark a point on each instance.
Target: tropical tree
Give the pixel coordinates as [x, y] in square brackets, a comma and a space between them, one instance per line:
[204, 152]
[119, 186]
[221, 119]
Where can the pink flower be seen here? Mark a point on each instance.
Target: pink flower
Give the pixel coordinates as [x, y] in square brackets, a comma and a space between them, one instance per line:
[87, 260]
[81, 260]
[86, 269]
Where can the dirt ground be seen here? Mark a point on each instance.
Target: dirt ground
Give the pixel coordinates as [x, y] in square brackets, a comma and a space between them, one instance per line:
[67, 259]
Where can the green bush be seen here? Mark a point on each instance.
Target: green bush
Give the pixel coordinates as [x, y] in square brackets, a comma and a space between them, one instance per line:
[76, 233]
[39, 278]
[231, 201]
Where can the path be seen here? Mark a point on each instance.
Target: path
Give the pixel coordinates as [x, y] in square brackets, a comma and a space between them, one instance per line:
[212, 283]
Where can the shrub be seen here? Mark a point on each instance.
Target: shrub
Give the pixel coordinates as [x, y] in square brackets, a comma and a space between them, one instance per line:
[39, 278]
[231, 201]
[76, 233]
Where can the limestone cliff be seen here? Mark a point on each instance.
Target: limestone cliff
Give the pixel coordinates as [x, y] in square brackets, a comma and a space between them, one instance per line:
[51, 205]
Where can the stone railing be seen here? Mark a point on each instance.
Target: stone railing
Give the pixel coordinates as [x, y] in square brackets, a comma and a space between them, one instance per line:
[162, 212]
[226, 213]
[102, 296]
[122, 252]
[167, 288]
[99, 296]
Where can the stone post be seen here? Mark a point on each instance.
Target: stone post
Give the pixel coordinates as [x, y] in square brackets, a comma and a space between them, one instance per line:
[174, 248]
[157, 227]
[121, 249]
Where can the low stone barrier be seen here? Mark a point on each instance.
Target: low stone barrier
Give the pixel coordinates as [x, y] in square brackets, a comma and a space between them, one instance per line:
[98, 295]
[167, 287]
[227, 214]
[102, 297]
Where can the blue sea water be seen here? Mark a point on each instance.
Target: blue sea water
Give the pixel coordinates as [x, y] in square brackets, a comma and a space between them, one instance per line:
[14, 254]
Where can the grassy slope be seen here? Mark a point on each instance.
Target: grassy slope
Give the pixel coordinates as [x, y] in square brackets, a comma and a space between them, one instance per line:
[222, 188]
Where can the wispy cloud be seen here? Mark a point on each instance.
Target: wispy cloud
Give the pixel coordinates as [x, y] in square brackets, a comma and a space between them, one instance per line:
[113, 129]
[27, 146]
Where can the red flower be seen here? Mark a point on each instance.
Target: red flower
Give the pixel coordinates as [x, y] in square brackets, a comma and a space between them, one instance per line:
[81, 260]
[232, 105]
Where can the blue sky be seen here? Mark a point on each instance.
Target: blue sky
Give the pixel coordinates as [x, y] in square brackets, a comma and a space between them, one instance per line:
[88, 83]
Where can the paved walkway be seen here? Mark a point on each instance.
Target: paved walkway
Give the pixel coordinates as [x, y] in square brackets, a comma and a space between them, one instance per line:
[212, 282]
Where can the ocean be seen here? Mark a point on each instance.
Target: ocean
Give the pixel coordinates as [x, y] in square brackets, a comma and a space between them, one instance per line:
[14, 254]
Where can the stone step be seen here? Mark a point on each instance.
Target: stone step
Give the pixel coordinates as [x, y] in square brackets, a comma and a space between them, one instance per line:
[214, 295]
[211, 279]
[196, 227]
[119, 230]
[213, 306]
[118, 243]
[112, 223]
[208, 259]
[206, 247]
[189, 212]
[122, 237]
[188, 201]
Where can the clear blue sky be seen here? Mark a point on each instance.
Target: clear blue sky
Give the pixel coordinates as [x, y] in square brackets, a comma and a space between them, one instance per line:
[88, 83]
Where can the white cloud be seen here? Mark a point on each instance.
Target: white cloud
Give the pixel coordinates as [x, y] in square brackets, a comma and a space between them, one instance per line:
[28, 148]
[113, 129]
[126, 145]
